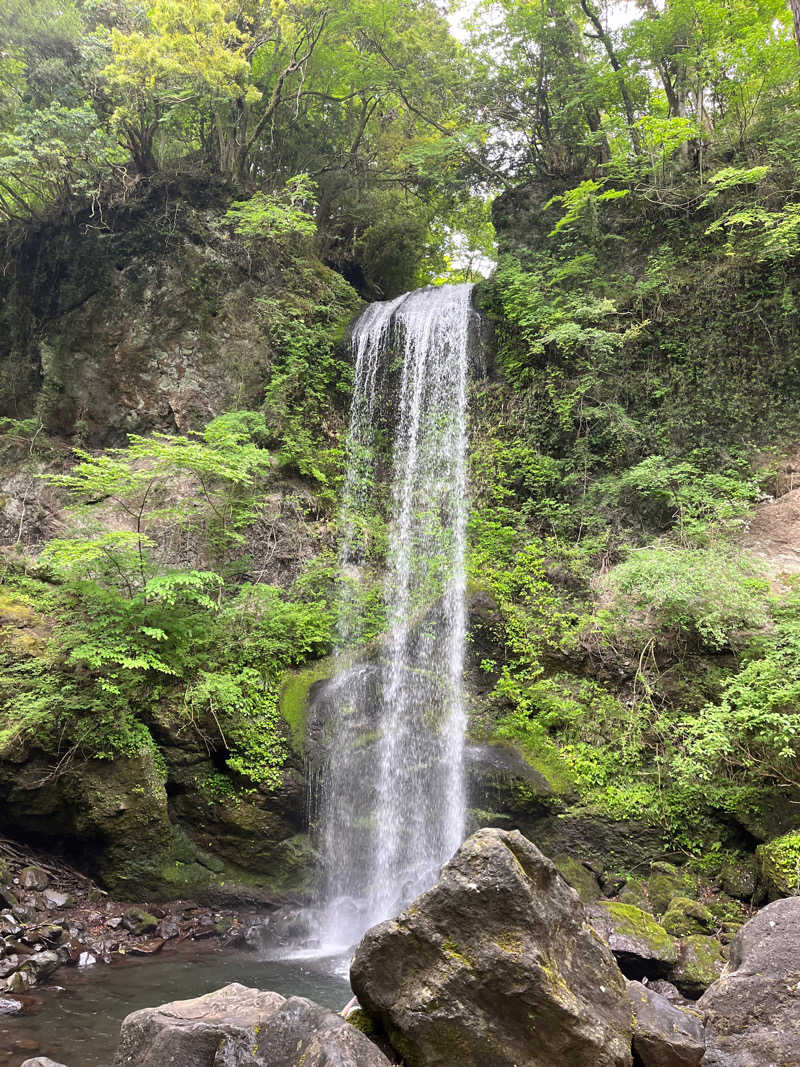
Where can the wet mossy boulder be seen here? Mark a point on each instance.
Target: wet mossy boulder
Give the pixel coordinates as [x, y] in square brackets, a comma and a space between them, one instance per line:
[139, 921]
[685, 916]
[577, 875]
[496, 964]
[667, 881]
[700, 962]
[740, 879]
[641, 946]
[779, 864]
[634, 892]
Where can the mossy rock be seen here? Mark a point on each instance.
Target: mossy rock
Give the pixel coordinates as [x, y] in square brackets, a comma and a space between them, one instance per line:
[361, 1021]
[668, 881]
[635, 892]
[727, 910]
[779, 864]
[700, 963]
[294, 698]
[632, 921]
[579, 877]
[685, 916]
[740, 879]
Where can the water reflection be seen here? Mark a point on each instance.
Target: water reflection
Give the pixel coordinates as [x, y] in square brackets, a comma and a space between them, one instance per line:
[77, 1021]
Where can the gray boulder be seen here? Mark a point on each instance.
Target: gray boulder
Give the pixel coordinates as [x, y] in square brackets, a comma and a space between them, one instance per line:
[241, 1027]
[190, 1033]
[302, 1034]
[753, 1012]
[663, 1035]
[41, 1061]
[496, 964]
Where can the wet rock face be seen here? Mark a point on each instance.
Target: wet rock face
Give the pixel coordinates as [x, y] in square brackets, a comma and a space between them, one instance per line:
[753, 1012]
[241, 1027]
[498, 950]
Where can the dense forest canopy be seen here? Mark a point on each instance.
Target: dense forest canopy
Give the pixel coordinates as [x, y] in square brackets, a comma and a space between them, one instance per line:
[403, 130]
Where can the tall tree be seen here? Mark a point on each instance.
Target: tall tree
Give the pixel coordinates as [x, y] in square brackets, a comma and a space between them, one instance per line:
[795, 6]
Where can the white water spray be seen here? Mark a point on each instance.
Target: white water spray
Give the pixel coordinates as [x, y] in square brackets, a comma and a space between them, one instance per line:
[393, 798]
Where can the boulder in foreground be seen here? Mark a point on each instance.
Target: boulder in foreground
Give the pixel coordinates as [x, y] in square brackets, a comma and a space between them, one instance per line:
[241, 1027]
[663, 1035]
[496, 964]
[753, 1011]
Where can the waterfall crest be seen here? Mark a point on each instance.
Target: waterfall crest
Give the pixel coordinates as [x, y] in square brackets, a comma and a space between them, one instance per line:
[392, 799]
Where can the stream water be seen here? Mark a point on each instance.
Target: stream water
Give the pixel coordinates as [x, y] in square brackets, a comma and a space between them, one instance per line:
[76, 1020]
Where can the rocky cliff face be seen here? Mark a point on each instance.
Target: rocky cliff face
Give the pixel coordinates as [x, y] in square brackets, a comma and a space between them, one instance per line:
[144, 318]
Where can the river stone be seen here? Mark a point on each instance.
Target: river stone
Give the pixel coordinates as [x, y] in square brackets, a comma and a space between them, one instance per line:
[663, 1035]
[753, 1011]
[138, 921]
[34, 878]
[241, 1027]
[41, 964]
[41, 1061]
[54, 899]
[641, 946]
[496, 964]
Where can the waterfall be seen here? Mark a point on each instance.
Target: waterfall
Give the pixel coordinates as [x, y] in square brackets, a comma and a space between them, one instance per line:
[392, 800]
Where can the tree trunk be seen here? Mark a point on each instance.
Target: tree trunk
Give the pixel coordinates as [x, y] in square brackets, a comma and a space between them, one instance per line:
[616, 65]
[795, 6]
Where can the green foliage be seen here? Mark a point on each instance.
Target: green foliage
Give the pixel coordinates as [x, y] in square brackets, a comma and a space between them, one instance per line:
[696, 503]
[754, 729]
[682, 596]
[224, 463]
[581, 206]
[245, 711]
[276, 217]
[308, 380]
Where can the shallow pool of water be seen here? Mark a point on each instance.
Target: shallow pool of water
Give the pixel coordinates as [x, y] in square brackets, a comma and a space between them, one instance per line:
[76, 1020]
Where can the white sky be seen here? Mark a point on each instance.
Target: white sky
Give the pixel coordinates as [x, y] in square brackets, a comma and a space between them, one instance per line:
[618, 13]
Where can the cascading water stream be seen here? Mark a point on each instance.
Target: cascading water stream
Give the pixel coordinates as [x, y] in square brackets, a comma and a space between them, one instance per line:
[392, 798]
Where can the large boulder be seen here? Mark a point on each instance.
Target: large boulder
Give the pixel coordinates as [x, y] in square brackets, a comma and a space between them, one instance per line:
[496, 964]
[241, 1027]
[701, 961]
[302, 1034]
[664, 1035]
[753, 1012]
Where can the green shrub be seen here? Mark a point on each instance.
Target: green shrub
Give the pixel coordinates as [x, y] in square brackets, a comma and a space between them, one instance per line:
[684, 597]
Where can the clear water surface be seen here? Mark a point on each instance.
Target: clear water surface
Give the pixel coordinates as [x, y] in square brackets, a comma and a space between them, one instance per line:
[76, 1019]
